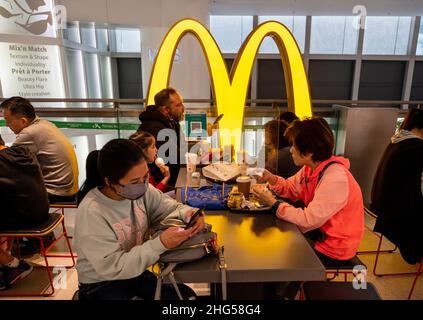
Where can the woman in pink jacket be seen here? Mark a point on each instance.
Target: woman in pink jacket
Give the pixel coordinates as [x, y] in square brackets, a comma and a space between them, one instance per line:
[332, 198]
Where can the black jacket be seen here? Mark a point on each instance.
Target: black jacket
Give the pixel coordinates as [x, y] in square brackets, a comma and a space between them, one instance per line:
[397, 197]
[23, 195]
[152, 121]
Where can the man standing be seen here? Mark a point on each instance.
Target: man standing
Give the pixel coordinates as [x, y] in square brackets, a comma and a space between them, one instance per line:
[167, 112]
[54, 152]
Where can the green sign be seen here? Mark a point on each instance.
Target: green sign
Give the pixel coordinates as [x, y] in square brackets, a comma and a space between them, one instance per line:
[90, 125]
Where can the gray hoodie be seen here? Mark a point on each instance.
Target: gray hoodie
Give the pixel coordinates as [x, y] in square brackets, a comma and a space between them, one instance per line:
[111, 236]
[402, 135]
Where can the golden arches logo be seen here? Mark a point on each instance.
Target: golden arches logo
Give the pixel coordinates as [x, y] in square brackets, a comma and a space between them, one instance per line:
[230, 91]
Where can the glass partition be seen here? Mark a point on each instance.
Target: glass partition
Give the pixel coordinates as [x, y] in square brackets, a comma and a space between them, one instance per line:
[92, 133]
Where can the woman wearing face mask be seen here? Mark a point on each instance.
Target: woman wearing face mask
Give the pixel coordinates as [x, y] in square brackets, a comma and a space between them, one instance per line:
[111, 228]
[148, 145]
[332, 198]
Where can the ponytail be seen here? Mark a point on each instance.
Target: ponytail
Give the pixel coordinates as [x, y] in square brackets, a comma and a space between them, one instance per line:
[93, 179]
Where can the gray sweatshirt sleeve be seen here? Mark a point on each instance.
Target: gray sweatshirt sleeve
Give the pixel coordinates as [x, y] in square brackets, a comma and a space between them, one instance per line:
[160, 206]
[99, 245]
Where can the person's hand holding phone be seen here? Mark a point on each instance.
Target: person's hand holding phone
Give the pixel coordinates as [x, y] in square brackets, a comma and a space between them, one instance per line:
[214, 125]
[174, 236]
[218, 119]
[196, 222]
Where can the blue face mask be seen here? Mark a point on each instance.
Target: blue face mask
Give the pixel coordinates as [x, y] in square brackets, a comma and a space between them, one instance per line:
[134, 191]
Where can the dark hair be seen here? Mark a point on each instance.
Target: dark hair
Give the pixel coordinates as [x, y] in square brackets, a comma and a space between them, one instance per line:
[277, 128]
[143, 138]
[1, 141]
[413, 119]
[117, 157]
[312, 136]
[162, 97]
[20, 107]
[93, 178]
[288, 116]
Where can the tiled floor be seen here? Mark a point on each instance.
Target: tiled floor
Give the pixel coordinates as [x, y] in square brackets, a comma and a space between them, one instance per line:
[389, 288]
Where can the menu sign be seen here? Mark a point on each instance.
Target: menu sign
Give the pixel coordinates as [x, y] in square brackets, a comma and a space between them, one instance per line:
[30, 71]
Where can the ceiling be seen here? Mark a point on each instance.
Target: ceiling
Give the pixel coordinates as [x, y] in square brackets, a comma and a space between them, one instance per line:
[317, 7]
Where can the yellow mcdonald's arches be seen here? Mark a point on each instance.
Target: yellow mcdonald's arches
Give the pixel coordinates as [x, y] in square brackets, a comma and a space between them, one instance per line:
[230, 92]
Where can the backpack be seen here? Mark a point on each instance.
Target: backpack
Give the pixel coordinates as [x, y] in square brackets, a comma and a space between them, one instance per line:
[198, 246]
[317, 235]
[206, 197]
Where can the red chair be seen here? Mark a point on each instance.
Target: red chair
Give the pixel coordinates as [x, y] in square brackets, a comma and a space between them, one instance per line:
[419, 272]
[63, 206]
[372, 215]
[56, 219]
[345, 269]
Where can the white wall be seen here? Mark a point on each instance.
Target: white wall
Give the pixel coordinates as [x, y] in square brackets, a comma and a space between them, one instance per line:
[189, 75]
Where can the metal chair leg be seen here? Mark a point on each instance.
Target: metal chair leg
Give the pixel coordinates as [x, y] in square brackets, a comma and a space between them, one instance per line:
[415, 279]
[376, 251]
[374, 216]
[70, 255]
[386, 274]
[50, 275]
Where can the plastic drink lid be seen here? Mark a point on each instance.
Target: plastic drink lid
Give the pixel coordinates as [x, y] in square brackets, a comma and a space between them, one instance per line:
[243, 179]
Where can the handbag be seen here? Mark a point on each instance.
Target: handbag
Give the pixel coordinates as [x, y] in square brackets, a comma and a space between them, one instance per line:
[198, 246]
[207, 197]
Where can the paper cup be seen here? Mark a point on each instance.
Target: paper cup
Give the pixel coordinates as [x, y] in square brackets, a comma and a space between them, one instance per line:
[191, 162]
[244, 185]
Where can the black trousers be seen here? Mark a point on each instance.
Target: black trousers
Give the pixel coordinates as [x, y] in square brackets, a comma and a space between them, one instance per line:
[328, 262]
[142, 287]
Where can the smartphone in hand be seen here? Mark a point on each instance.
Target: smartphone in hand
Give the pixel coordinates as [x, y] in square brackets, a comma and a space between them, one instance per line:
[218, 119]
[191, 222]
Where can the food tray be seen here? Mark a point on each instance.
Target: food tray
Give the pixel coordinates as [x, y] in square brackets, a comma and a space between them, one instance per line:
[246, 210]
